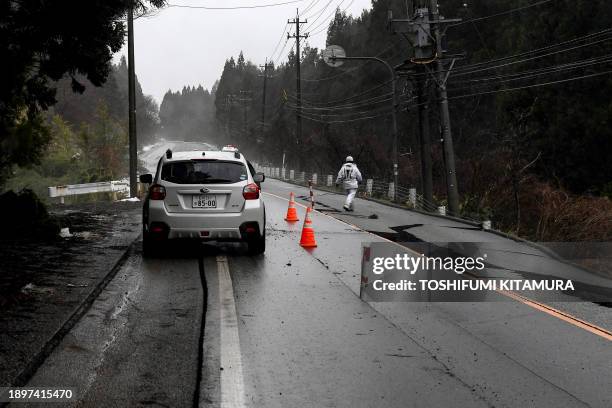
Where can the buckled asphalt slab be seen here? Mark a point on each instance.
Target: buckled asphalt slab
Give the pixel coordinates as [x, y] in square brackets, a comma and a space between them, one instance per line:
[508, 352]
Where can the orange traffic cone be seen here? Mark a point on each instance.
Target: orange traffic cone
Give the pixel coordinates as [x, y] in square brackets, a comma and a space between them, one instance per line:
[308, 235]
[291, 212]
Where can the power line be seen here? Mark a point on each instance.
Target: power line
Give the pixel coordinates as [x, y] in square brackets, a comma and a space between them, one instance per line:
[309, 7]
[503, 13]
[365, 102]
[538, 85]
[318, 13]
[323, 22]
[538, 72]
[280, 54]
[367, 91]
[331, 16]
[329, 122]
[518, 88]
[234, 7]
[460, 72]
[279, 41]
[363, 112]
[344, 114]
[475, 65]
[359, 102]
[326, 28]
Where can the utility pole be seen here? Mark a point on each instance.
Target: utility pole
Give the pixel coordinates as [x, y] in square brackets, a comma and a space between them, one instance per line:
[132, 106]
[426, 29]
[298, 78]
[263, 102]
[423, 107]
[452, 190]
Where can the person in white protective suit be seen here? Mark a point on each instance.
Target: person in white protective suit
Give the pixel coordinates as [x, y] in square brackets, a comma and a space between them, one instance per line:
[350, 177]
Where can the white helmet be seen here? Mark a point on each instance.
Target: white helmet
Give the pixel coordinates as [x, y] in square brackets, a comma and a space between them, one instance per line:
[349, 159]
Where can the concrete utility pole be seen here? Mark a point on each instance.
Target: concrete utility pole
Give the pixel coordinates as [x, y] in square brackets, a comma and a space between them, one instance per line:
[133, 147]
[452, 190]
[263, 97]
[426, 165]
[298, 77]
[426, 32]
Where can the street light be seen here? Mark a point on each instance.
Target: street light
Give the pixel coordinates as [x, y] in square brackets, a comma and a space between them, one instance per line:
[334, 56]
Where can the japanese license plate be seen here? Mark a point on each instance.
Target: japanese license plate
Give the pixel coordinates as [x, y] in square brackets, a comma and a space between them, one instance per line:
[204, 201]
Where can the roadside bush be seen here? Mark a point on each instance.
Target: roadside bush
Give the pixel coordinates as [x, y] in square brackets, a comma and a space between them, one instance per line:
[565, 217]
[26, 216]
[550, 214]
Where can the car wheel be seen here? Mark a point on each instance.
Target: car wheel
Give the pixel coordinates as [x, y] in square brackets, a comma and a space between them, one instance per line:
[149, 247]
[257, 245]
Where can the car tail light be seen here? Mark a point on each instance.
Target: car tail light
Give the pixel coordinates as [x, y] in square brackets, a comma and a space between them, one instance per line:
[251, 192]
[157, 192]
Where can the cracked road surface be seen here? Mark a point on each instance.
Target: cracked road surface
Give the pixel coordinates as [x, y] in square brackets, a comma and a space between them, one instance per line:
[288, 329]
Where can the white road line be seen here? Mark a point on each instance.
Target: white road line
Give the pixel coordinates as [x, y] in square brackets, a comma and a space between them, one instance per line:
[232, 385]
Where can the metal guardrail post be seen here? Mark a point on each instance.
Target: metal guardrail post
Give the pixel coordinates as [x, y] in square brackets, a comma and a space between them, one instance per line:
[314, 178]
[291, 175]
[442, 210]
[330, 180]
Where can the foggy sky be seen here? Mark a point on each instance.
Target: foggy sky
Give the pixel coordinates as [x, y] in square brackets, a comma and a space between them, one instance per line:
[181, 46]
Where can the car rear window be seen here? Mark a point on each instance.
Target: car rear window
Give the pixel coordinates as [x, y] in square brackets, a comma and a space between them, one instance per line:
[204, 172]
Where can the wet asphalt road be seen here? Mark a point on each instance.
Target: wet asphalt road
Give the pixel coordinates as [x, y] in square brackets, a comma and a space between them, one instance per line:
[139, 343]
[288, 329]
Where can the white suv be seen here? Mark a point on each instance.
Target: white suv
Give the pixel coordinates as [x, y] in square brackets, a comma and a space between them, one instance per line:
[204, 195]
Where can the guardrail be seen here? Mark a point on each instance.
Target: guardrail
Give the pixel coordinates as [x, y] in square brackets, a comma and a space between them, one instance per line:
[114, 187]
[372, 188]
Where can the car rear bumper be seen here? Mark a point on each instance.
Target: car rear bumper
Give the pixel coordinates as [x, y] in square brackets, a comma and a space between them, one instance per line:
[216, 226]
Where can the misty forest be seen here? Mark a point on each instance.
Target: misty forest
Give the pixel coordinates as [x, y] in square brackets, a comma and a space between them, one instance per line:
[530, 109]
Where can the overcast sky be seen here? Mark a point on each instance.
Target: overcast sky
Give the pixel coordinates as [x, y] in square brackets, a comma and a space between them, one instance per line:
[186, 46]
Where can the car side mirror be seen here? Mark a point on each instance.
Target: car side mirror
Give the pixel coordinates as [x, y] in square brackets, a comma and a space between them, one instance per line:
[259, 178]
[146, 178]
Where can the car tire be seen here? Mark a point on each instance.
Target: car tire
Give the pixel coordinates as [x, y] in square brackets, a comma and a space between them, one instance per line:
[257, 245]
[149, 247]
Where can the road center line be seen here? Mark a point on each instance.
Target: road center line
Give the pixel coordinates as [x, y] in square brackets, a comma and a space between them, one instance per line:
[232, 385]
[566, 317]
